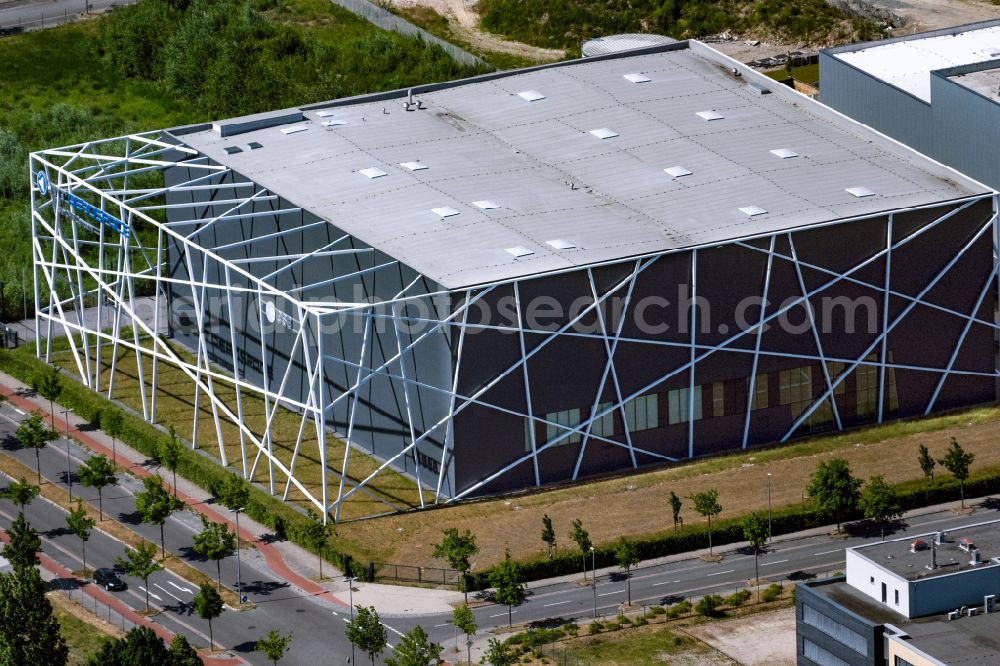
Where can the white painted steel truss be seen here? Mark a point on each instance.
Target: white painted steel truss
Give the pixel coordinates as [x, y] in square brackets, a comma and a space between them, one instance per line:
[81, 259]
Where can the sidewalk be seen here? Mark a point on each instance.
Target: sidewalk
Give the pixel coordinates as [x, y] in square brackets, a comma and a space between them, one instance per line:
[285, 559]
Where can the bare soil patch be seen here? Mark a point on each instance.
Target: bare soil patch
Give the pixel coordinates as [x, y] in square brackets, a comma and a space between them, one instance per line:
[762, 639]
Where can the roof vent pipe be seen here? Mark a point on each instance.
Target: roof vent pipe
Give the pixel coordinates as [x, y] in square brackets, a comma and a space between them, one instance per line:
[939, 537]
[409, 96]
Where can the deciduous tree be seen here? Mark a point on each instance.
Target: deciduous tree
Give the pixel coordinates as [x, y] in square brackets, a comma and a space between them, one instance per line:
[458, 550]
[80, 524]
[170, 454]
[33, 434]
[926, 463]
[182, 654]
[833, 490]
[367, 633]
[706, 503]
[315, 534]
[155, 505]
[415, 649]
[141, 563]
[507, 580]
[21, 493]
[112, 421]
[581, 538]
[879, 502]
[957, 461]
[755, 532]
[23, 544]
[465, 621]
[274, 645]
[98, 472]
[140, 645]
[497, 654]
[48, 383]
[675, 508]
[215, 542]
[208, 606]
[627, 556]
[548, 534]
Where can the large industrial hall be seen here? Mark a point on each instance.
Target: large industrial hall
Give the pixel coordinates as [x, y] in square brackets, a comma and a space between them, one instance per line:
[525, 278]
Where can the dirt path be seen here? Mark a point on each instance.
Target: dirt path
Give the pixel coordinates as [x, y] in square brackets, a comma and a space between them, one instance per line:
[463, 21]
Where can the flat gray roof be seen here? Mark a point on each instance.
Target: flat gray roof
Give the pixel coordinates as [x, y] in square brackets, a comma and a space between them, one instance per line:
[986, 82]
[907, 62]
[896, 555]
[565, 196]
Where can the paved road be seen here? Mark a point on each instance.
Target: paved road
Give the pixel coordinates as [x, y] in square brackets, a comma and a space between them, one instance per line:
[278, 605]
[34, 15]
[318, 625]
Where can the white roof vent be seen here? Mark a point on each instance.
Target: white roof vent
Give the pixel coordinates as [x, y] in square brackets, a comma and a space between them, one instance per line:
[486, 204]
[860, 191]
[677, 171]
[444, 211]
[604, 133]
[752, 210]
[531, 95]
[326, 113]
[710, 115]
[560, 244]
[413, 166]
[518, 251]
[784, 153]
[293, 130]
[373, 172]
[637, 78]
[333, 123]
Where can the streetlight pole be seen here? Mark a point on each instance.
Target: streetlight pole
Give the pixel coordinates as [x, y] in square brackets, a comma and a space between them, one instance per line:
[350, 594]
[593, 577]
[69, 471]
[769, 507]
[239, 588]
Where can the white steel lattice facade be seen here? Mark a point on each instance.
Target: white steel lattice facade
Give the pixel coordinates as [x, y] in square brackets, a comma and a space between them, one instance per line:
[457, 381]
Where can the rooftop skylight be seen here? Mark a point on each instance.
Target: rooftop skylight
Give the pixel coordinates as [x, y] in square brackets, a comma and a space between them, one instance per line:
[373, 172]
[519, 251]
[752, 210]
[860, 191]
[677, 171]
[637, 78]
[531, 95]
[413, 166]
[784, 153]
[560, 244]
[293, 130]
[710, 115]
[604, 133]
[444, 211]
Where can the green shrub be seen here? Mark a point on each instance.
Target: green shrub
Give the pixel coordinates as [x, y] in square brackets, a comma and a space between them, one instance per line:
[657, 610]
[708, 605]
[595, 627]
[737, 599]
[771, 593]
[678, 609]
[571, 629]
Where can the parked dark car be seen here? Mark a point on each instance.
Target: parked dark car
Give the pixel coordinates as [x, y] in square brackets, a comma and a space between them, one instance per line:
[109, 580]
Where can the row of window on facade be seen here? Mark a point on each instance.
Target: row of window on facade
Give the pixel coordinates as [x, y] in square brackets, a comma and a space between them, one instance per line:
[795, 390]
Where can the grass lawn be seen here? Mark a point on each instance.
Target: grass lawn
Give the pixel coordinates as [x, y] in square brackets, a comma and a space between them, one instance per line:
[390, 491]
[82, 631]
[806, 74]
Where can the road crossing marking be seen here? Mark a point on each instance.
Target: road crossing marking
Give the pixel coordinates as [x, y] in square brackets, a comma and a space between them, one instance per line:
[152, 594]
[395, 631]
[168, 592]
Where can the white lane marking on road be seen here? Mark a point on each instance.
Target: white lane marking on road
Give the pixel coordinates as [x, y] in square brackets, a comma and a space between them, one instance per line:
[719, 573]
[556, 603]
[502, 614]
[610, 593]
[395, 631]
[767, 564]
[152, 594]
[666, 582]
[827, 552]
[335, 613]
[182, 589]
[19, 412]
[444, 624]
[168, 592]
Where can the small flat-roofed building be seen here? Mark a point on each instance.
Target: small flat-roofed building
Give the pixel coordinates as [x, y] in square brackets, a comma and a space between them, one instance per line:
[929, 599]
[938, 92]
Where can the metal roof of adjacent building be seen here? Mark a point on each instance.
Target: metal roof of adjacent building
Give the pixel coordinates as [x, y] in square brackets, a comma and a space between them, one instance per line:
[624, 42]
[907, 62]
[986, 82]
[952, 555]
[583, 163]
